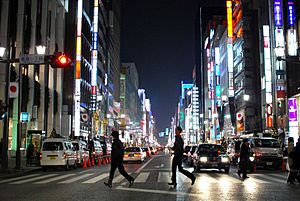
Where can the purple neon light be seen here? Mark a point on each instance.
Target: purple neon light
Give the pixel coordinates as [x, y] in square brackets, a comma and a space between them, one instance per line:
[278, 13]
[293, 110]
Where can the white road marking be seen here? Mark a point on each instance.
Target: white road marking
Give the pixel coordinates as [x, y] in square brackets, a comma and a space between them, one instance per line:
[54, 179]
[118, 179]
[34, 179]
[75, 179]
[164, 177]
[18, 178]
[96, 179]
[282, 176]
[157, 191]
[271, 178]
[142, 177]
[182, 178]
[256, 180]
[142, 167]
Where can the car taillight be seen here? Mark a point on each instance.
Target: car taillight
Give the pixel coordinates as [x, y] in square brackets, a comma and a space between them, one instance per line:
[137, 155]
[257, 154]
[41, 156]
[125, 155]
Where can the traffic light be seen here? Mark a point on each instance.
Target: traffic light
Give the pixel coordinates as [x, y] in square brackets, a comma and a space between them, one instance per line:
[2, 110]
[59, 60]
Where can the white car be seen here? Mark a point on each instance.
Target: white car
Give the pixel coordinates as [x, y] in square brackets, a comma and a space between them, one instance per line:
[81, 151]
[134, 154]
[57, 152]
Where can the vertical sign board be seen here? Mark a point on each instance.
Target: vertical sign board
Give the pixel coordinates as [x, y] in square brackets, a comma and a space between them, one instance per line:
[291, 33]
[293, 118]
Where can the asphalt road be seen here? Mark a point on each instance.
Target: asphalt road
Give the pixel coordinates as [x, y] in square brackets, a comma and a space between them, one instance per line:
[151, 184]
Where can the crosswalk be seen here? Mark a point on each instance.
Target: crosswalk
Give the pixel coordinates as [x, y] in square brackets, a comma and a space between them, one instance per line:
[142, 178]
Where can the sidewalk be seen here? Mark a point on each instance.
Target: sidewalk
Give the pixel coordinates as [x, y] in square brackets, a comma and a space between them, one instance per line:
[12, 172]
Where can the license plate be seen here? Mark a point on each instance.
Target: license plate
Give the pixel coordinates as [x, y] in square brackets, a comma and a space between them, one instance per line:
[52, 157]
[214, 165]
[269, 163]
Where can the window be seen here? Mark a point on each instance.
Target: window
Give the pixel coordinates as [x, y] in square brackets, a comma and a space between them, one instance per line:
[53, 146]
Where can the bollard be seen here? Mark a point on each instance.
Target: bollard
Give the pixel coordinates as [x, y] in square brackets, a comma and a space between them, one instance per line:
[283, 165]
[84, 162]
[99, 161]
[93, 160]
[89, 162]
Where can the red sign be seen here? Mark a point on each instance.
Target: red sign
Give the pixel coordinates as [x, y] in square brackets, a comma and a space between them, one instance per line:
[269, 121]
[280, 94]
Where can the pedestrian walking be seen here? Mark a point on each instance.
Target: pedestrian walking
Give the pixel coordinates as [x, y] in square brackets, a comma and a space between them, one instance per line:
[30, 153]
[117, 154]
[295, 167]
[177, 158]
[244, 158]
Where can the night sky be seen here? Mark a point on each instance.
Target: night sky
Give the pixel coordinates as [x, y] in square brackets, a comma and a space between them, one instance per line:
[159, 37]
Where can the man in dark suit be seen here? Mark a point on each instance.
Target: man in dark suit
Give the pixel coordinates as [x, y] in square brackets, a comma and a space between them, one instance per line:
[244, 158]
[177, 159]
[117, 154]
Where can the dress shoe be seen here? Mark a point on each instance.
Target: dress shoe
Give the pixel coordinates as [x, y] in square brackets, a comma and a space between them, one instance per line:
[108, 185]
[238, 173]
[131, 183]
[193, 180]
[245, 177]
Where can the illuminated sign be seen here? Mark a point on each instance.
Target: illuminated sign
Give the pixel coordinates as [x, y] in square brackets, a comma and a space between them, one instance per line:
[24, 117]
[293, 116]
[278, 13]
[229, 19]
[291, 13]
[292, 42]
[78, 69]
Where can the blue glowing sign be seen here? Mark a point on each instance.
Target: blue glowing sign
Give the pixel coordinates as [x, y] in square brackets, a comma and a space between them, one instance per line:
[278, 13]
[24, 116]
[291, 12]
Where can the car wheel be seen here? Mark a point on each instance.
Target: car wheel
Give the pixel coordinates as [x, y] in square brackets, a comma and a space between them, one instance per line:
[226, 170]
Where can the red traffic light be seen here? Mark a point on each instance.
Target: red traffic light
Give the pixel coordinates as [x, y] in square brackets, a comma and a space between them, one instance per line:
[59, 60]
[63, 59]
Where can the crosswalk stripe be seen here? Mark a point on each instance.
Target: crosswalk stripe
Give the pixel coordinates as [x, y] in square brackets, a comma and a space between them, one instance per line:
[272, 178]
[182, 177]
[163, 176]
[118, 179]
[207, 178]
[54, 179]
[257, 180]
[34, 179]
[282, 176]
[96, 179]
[76, 178]
[142, 177]
[230, 179]
[18, 178]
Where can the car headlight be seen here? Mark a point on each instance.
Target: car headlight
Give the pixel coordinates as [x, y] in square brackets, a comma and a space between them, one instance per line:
[203, 159]
[224, 160]
[251, 158]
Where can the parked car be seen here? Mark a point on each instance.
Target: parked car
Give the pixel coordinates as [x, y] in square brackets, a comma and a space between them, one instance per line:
[82, 151]
[211, 156]
[134, 154]
[57, 152]
[95, 149]
[147, 151]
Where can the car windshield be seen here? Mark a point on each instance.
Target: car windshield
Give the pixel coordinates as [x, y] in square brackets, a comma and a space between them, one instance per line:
[52, 146]
[267, 143]
[76, 146]
[210, 149]
[132, 149]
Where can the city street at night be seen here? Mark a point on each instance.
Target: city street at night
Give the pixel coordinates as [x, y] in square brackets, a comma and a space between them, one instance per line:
[151, 184]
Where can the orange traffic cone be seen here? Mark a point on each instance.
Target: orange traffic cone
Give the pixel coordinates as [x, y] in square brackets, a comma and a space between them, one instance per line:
[93, 160]
[104, 160]
[283, 165]
[99, 161]
[109, 160]
[84, 162]
[89, 162]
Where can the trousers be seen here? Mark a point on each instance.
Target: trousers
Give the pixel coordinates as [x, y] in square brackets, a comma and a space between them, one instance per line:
[119, 165]
[177, 162]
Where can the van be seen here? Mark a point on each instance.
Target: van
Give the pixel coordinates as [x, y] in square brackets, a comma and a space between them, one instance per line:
[81, 150]
[57, 152]
[265, 151]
